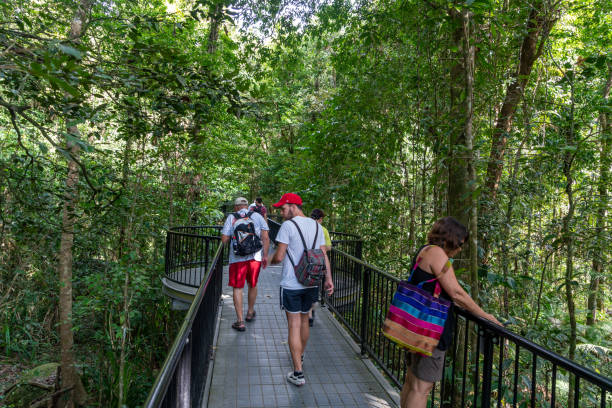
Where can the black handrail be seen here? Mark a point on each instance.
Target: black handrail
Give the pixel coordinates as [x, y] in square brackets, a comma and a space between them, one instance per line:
[274, 227]
[349, 243]
[485, 365]
[189, 253]
[181, 379]
[363, 294]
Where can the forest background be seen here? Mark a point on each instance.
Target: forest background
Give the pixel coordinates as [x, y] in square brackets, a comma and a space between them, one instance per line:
[119, 119]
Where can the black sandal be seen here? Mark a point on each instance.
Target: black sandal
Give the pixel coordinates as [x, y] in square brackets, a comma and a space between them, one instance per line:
[251, 317]
[239, 325]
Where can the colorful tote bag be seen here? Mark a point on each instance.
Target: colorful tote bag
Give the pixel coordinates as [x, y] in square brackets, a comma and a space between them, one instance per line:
[416, 318]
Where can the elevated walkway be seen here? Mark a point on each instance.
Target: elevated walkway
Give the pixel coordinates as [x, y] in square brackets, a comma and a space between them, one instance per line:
[211, 365]
[250, 367]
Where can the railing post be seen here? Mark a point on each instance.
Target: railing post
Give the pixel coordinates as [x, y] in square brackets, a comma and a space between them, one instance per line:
[487, 367]
[365, 303]
[206, 259]
[167, 254]
[359, 249]
[183, 376]
[332, 265]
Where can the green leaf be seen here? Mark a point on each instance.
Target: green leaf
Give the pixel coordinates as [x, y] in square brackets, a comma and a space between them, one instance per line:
[64, 153]
[65, 86]
[66, 49]
[181, 80]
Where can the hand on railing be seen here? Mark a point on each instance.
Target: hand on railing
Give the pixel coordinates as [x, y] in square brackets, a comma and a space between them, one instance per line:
[492, 319]
[329, 287]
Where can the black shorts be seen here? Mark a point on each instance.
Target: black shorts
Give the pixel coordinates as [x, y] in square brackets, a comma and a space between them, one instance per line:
[298, 300]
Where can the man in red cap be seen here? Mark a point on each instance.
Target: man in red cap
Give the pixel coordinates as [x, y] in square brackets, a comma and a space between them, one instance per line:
[295, 298]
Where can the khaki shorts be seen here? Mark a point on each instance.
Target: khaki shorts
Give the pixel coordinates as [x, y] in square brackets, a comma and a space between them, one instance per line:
[428, 369]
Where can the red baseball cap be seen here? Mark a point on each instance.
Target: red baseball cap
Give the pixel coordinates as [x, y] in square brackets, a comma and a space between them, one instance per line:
[288, 198]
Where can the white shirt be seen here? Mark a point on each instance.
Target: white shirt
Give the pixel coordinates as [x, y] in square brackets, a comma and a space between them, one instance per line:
[228, 229]
[289, 235]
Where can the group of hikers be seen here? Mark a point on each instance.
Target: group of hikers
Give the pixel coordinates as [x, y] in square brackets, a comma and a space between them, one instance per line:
[302, 244]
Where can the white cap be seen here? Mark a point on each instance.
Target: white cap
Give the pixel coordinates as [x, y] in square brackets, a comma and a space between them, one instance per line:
[241, 201]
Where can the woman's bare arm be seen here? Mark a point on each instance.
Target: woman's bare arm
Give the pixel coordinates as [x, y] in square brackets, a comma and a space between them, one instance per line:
[436, 259]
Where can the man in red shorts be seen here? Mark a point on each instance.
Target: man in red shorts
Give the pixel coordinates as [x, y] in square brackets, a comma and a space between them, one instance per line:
[244, 265]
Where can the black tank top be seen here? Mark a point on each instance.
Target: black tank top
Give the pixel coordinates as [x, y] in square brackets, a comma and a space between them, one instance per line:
[418, 276]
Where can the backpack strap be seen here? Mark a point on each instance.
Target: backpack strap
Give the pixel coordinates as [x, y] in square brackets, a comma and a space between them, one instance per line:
[303, 241]
[301, 235]
[237, 217]
[316, 234]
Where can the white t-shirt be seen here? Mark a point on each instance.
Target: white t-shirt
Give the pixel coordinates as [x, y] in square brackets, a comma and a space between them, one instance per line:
[228, 229]
[288, 234]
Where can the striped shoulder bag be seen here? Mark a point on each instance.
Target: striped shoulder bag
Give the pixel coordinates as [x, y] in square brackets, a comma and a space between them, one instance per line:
[416, 318]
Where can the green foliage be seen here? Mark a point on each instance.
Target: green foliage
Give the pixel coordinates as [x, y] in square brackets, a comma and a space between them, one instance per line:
[345, 103]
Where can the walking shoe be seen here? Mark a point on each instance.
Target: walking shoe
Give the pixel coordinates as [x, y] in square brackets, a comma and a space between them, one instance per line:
[239, 325]
[296, 378]
[250, 318]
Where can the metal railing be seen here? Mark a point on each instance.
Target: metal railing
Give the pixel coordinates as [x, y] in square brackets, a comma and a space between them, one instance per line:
[349, 243]
[189, 253]
[274, 224]
[181, 380]
[486, 365]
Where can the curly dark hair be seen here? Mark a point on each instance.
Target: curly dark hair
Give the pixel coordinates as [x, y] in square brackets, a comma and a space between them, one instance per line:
[447, 233]
[317, 214]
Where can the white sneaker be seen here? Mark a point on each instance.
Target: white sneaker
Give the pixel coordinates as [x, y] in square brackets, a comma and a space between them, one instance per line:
[296, 380]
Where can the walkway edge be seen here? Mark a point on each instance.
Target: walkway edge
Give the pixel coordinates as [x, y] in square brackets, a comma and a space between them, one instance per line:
[211, 366]
[389, 389]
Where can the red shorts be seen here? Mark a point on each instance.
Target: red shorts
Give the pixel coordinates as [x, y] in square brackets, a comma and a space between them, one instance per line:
[241, 271]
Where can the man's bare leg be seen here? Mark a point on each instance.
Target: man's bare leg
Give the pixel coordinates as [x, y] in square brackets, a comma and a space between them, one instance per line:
[238, 303]
[296, 342]
[304, 332]
[252, 295]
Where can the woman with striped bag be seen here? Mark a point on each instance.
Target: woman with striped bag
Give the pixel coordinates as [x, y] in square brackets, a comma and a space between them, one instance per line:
[420, 317]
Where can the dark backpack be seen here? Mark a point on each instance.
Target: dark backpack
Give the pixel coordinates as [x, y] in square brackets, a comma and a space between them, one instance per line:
[244, 239]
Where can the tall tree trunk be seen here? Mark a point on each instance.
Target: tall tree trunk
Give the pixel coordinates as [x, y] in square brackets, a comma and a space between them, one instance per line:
[539, 24]
[439, 175]
[69, 378]
[215, 21]
[601, 218]
[413, 240]
[469, 57]
[126, 263]
[459, 194]
[505, 260]
[569, 240]
[458, 191]
[423, 195]
[124, 181]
